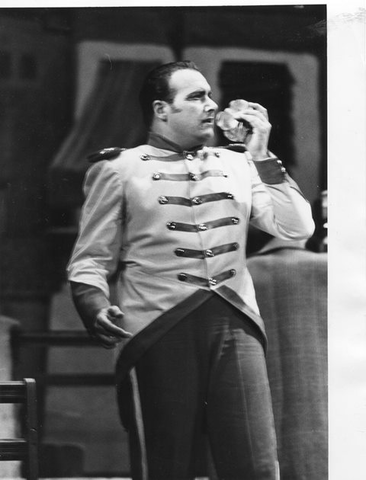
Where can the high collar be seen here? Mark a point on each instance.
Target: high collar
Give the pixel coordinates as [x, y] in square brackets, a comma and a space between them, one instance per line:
[159, 141]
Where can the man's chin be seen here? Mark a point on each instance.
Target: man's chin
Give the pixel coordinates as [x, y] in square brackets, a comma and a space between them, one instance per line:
[208, 133]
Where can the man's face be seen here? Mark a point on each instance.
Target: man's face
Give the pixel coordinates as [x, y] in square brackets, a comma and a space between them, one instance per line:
[190, 118]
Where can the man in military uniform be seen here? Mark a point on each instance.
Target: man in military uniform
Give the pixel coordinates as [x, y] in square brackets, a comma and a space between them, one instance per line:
[170, 220]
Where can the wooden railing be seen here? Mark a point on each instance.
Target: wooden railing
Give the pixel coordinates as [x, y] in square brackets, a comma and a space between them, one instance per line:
[62, 338]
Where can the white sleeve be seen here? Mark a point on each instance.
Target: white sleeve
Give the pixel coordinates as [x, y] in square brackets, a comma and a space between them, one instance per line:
[278, 206]
[97, 249]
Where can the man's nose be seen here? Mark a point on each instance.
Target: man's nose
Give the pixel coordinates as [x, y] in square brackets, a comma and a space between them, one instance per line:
[211, 105]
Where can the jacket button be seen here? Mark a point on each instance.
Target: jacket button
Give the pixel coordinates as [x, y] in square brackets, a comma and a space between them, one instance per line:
[171, 225]
[189, 156]
[179, 252]
[236, 246]
[182, 277]
[156, 176]
[212, 281]
[163, 200]
[279, 162]
[145, 157]
[235, 220]
[217, 154]
[196, 201]
[209, 253]
[283, 169]
[193, 177]
[230, 196]
[202, 227]
[233, 272]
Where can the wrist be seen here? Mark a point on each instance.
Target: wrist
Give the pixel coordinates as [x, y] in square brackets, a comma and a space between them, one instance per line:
[89, 302]
[271, 170]
[262, 156]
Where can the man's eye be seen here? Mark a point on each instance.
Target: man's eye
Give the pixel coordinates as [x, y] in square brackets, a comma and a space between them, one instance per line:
[196, 96]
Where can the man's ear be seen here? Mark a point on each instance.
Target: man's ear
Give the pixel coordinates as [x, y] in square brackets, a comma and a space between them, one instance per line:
[160, 109]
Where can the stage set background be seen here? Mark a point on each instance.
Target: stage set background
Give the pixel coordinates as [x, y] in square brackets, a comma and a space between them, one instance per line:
[69, 79]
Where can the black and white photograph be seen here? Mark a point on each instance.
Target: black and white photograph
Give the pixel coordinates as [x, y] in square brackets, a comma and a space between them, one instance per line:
[182, 240]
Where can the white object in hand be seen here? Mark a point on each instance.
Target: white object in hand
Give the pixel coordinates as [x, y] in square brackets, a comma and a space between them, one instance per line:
[233, 129]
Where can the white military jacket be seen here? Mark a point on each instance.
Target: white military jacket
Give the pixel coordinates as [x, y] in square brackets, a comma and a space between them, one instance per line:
[174, 222]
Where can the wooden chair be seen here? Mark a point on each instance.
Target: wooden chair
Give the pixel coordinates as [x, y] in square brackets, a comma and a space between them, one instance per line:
[24, 449]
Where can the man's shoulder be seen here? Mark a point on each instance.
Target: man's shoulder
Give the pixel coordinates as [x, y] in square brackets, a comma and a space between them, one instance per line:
[113, 153]
[111, 161]
[109, 153]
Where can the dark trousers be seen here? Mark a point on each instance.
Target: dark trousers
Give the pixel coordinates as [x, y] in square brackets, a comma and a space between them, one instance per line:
[206, 377]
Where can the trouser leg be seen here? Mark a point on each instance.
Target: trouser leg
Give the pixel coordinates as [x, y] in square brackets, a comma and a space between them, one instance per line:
[209, 369]
[239, 414]
[170, 395]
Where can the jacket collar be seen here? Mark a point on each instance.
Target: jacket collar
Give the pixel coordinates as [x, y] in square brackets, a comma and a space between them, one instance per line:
[159, 141]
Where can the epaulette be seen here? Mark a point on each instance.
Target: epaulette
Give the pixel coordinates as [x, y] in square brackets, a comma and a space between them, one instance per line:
[105, 154]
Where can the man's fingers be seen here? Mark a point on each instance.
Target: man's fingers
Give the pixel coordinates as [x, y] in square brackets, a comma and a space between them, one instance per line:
[114, 312]
[105, 323]
[106, 327]
[259, 108]
[254, 110]
[261, 124]
[108, 341]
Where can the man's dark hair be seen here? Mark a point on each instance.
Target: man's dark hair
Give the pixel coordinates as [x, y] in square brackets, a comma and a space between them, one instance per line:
[156, 86]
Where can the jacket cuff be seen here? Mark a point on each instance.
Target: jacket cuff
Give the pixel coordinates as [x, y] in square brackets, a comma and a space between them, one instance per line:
[271, 170]
[88, 301]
